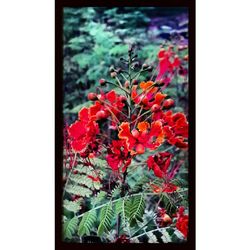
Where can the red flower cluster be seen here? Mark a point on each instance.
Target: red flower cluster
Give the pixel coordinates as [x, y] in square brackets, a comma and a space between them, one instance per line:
[136, 131]
[182, 221]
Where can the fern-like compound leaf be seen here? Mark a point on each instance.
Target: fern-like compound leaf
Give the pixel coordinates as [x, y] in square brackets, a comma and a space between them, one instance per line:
[69, 228]
[73, 206]
[87, 223]
[78, 190]
[105, 219]
[137, 209]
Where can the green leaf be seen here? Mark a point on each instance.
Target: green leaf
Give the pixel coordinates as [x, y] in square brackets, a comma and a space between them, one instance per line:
[69, 228]
[78, 190]
[137, 209]
[87, 223]
[105, 219]
[73, 206]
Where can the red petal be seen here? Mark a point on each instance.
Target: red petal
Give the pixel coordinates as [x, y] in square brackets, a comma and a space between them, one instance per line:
[77, 129]
[111, 96]
[83, 114]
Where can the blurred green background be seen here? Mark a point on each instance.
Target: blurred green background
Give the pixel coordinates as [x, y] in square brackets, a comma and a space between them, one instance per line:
[94, 38]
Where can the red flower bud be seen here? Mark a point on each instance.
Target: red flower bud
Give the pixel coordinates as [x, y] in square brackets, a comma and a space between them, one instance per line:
[155, 107]
[101, 115]
[140, 149]
[135, 133]
[92, 96]
[102, 82]
[75, 172]
[168, 103]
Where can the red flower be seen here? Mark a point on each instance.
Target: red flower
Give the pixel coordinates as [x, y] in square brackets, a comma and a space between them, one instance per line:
[168, 62]
[159, 163]
[176, 129]
[182, 221]
[82, 132]
[145, 136]
[148, 96]
[118, 156]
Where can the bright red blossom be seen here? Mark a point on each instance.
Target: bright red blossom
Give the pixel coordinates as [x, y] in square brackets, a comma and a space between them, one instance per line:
[82, 132]
[148, 96]
[168, 63]
[118, 156]
[175, 127]
[145, 136]
[160, 163]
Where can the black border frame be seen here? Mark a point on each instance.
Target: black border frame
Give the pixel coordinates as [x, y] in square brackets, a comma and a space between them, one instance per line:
[59, 5]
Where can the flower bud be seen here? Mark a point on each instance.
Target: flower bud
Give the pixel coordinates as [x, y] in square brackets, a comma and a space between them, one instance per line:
[113, 74]
[155, 107]
[144, 65]
[140, 149]
[168, 103]
[92, 96]
[102, 82]
[185, 58]
[135, 133]
[101, 115]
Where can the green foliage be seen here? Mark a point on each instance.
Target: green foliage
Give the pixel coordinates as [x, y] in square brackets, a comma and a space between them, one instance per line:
[105, 219]
[136, 210]
[78, 190]
[73, 206]
[70, 227]
[87, 223]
